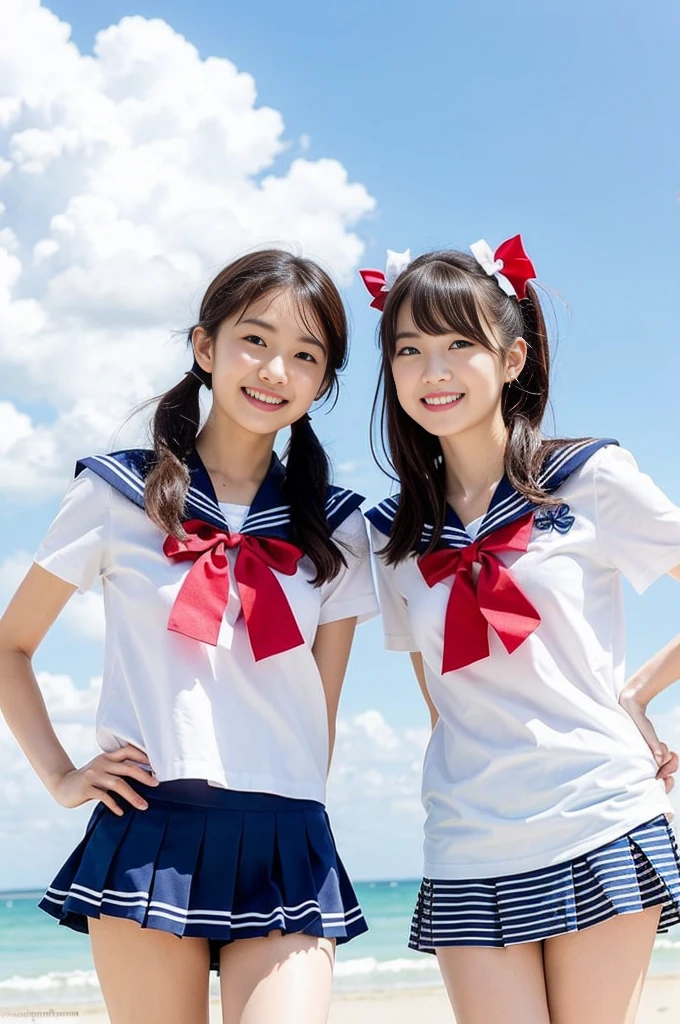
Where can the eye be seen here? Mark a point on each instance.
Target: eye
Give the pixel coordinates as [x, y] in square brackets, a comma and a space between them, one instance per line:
[307, 357]
[407, 350]
[256, 339]
[460, 343]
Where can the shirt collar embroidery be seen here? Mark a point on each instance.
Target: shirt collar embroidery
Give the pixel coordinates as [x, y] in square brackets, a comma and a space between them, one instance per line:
[268, 516]
[507, 505]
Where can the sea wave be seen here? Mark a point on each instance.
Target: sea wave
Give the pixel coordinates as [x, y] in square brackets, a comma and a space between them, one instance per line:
[52, 981]
[366, 965]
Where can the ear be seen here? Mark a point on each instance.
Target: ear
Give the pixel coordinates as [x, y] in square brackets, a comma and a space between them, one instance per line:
[203, 349]
[515, 359]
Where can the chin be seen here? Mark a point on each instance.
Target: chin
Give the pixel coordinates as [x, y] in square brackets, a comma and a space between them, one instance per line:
[441, 428]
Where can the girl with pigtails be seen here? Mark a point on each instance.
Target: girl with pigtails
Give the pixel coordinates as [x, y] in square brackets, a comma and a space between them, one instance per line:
[232, 587]
[549, 861]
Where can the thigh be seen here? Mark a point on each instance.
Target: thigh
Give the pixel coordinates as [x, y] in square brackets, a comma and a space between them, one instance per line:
[149, 976]
[487, 984]
[282, 978]
[595, 976]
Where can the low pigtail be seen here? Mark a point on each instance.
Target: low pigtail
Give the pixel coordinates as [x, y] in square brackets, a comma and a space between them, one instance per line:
[175, 426]
[524, 404]
[305, 488]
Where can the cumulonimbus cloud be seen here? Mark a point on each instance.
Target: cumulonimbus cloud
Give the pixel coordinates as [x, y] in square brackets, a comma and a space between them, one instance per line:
[127, 178]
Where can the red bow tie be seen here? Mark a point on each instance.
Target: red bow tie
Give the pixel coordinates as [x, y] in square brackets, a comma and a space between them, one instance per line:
[200, 604]
[495, 601]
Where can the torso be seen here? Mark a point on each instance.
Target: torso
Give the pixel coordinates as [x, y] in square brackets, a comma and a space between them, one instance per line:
[533, 760]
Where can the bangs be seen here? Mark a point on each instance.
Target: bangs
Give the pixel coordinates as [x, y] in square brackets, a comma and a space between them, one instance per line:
[310, 308]
[445, 299]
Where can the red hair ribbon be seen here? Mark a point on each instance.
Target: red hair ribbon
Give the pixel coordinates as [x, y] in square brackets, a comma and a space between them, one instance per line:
[509, 264]
[199, 607]
[495, 601]
[378, 283]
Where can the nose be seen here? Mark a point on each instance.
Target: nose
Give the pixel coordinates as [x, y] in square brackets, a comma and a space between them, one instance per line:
[435, 371]
[274, 371]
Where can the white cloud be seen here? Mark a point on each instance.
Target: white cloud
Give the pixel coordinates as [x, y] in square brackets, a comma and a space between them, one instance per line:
[374, 796]
[36, 833]
[128, 178]
[84, 613]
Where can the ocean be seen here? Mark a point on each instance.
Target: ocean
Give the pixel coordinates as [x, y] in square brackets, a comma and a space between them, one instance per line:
[43, 964]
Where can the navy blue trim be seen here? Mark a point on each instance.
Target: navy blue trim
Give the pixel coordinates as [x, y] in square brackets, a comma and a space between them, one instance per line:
[268, 516]
[506, 506]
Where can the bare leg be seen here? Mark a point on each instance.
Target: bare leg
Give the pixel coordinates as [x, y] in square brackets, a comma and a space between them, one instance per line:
[488, 985]
[282, 978]
[148, 976]
[596, 976]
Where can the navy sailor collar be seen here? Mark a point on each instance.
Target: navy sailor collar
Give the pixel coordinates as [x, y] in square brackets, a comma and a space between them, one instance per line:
[268, 516]
[507, 505]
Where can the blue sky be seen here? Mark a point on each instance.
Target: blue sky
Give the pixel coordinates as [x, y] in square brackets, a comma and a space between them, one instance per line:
[461, 121]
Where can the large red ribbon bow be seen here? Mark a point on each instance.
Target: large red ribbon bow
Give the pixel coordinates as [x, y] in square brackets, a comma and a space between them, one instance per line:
[200, 604]
[494, 601]
[509, 264]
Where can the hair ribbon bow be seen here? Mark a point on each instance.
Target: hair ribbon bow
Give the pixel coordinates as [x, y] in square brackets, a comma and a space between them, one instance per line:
[379, 283]
[509, 264]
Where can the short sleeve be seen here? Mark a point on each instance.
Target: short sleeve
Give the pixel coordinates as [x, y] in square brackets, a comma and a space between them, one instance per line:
[75, 547]
[352, 592]
[638, 525]
[393, 606]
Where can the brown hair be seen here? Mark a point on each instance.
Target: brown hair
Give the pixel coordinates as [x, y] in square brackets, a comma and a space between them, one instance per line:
[450, 292]
[177, 417]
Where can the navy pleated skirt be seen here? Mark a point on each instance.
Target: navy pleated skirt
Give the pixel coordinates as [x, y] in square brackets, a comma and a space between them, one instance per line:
[638, 871]
[210, 862]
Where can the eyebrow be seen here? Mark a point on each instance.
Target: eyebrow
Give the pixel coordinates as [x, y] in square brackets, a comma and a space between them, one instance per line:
[406, 334]
[308, 339]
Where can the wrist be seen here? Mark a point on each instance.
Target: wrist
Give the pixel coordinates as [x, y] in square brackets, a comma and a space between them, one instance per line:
[54, 779]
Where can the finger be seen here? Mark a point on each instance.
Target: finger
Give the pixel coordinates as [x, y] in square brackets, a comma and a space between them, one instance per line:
[669, 767]
[128, 752]
[669, 783]
[133, 772]
[124, 790]
[107, 800]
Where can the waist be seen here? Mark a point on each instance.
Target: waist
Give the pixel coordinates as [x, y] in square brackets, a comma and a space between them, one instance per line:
[199, 793]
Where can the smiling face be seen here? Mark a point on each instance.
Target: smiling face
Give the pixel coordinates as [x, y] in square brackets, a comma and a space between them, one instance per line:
[447, 383]
[268, 364]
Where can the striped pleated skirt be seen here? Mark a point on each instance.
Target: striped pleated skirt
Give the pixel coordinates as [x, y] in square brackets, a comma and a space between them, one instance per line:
[637, 871]
[209, 862]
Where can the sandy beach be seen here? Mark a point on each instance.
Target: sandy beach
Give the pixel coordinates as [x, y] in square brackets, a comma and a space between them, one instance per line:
[660, 1005]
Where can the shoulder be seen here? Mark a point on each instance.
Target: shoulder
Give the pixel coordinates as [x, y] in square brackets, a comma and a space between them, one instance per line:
[124, 470]
[381, 517]
[342, 505]
[352, 532]
[576, 459]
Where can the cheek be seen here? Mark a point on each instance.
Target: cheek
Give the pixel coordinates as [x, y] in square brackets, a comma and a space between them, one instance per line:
[484, 377]
[308, 377]
[405, 377]
[231, 362]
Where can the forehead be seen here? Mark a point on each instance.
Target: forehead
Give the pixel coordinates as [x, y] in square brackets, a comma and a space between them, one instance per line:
[438, 325]
[283, 310]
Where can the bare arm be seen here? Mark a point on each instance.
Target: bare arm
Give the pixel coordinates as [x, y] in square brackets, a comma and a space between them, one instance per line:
[331, 650]
[30, 614]
[651, 679]
[419, 669]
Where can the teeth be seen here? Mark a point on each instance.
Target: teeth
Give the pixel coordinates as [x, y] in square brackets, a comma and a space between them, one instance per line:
[263, 398]
[444, 400]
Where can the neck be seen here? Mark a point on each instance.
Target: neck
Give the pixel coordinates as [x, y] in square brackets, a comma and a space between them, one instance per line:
[474, 463]
[237, 460]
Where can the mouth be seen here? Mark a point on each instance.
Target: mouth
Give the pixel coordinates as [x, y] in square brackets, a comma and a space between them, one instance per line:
[437, 402]
[264, 400]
